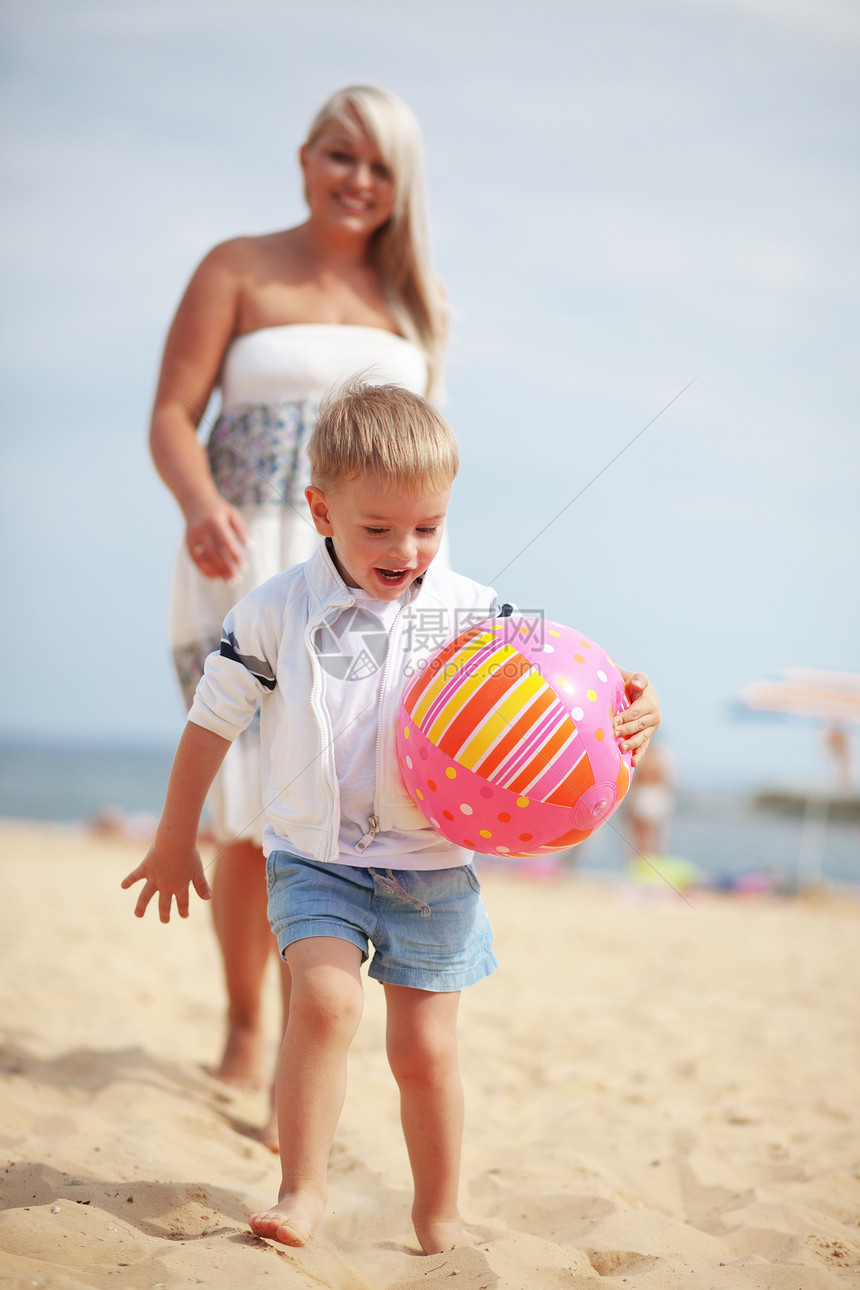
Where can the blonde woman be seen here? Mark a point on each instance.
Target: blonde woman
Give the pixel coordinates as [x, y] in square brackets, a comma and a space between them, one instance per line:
[274, 322]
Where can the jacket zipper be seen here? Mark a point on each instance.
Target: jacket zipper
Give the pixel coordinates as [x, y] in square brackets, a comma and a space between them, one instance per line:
[364, 842]
[373, 822]
[326, 734]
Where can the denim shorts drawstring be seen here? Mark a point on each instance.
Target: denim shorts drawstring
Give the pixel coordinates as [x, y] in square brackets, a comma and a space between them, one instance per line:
[389, 884]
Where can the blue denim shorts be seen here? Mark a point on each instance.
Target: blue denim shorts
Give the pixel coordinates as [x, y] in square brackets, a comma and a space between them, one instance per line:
[429, 927]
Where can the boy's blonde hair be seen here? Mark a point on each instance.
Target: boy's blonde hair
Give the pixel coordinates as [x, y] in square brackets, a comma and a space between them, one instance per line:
[401, 248]
[383, 430]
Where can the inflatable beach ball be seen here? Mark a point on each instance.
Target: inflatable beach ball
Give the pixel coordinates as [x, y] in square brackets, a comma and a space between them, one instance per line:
[505, 738]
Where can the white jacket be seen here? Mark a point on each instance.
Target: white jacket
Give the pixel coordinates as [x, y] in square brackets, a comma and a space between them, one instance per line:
[268, 656]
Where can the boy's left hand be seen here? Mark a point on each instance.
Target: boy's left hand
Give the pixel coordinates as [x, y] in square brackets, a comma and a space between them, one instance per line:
[635, 726]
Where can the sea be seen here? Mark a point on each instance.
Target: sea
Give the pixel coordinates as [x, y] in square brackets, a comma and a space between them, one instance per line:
[727, 837]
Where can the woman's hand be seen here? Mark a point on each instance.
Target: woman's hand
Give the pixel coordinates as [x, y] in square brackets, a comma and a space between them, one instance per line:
[216, 538]
[635, 726]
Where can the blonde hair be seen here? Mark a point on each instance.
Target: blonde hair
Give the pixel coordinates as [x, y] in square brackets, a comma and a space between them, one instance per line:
[401, 248]
[383, 430]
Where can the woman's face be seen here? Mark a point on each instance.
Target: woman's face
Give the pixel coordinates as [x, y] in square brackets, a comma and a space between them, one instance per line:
[347, 183]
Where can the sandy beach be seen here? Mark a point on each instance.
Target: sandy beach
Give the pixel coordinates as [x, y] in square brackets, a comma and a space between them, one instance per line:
[661, 1095]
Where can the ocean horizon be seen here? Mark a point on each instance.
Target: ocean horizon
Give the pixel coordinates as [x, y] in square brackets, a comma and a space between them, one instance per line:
[720, 831]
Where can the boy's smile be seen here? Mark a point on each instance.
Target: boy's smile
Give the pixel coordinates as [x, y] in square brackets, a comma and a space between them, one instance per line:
[383, 538]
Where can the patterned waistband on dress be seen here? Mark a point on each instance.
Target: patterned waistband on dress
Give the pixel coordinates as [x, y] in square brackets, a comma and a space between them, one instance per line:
[258, 452]
[189, 659]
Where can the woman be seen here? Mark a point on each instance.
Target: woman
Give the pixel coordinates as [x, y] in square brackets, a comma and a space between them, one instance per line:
[275, 321]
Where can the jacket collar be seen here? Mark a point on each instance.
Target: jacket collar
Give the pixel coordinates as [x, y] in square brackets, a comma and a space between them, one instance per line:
[329, 591]
[326, 587]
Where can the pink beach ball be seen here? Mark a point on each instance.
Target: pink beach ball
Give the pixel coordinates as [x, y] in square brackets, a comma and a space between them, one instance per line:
[505, 738]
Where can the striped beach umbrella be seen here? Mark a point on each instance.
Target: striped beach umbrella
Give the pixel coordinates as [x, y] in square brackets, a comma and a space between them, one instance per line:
[832, 697]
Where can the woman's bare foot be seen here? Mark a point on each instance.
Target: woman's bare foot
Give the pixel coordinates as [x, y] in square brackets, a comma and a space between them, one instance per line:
[293, 1221]
[241, 1061]
[438, 1235]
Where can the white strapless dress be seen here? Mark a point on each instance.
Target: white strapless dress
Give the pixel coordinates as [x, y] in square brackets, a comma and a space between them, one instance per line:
[272, 382]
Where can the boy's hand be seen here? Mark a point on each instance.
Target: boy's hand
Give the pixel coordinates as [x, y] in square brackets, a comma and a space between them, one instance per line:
[169, 870]
[635, 726]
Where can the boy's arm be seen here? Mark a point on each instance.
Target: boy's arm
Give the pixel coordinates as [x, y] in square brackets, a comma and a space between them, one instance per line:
[173, 862]
[636, 724]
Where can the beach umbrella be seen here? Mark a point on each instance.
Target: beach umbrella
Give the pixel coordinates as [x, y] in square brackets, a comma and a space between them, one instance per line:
[832, 698]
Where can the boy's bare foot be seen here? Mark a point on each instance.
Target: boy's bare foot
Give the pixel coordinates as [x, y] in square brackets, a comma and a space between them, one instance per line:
[293, 1221]
[241, 1062]
[438, 1235]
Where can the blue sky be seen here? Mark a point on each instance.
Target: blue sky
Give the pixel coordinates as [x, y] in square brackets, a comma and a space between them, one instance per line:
[624, 197]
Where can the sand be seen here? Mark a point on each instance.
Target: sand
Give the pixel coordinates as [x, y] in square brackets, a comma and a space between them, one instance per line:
[659, 1097]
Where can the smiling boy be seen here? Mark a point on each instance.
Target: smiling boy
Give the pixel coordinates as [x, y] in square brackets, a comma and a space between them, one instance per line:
[326, 648]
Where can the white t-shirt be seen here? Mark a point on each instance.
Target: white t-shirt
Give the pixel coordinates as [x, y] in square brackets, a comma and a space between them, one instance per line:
[352, 652]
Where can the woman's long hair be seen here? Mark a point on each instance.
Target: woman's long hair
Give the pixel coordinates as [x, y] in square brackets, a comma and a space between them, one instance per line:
[401, 248]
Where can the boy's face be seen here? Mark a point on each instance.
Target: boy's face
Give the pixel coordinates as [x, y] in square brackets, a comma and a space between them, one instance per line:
[383, 539]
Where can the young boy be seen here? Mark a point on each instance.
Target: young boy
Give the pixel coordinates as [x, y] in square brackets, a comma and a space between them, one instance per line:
[327, 648]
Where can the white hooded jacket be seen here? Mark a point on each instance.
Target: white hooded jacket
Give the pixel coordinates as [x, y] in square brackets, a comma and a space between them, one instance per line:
[268, 657]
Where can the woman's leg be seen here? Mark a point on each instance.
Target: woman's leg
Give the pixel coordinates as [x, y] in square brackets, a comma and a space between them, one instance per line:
[239, 903]
[422, 1051]
[325, 1009]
